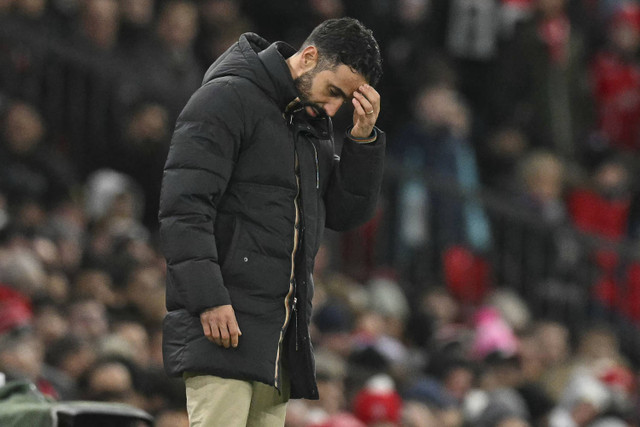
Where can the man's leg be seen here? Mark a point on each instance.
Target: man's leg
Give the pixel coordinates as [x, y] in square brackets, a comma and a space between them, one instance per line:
[268, 406]
[214, 401]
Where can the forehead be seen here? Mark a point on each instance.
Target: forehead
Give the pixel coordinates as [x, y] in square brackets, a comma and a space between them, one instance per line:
[343, 78]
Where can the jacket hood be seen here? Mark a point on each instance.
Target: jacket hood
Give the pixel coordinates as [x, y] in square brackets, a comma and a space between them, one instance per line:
[255, 59]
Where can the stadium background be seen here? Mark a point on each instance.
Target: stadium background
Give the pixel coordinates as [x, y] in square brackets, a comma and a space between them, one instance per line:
[498, 284]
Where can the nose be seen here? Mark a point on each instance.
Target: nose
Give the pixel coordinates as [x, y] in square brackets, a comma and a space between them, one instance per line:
[332, 107]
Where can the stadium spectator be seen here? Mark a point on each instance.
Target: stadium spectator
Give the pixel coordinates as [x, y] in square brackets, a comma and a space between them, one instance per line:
[434, 151]
[616, 81]
[167, 67]
[31, 169]
[545, 81]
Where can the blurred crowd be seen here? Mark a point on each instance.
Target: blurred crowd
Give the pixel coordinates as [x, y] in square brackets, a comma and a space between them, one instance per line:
[535, 103]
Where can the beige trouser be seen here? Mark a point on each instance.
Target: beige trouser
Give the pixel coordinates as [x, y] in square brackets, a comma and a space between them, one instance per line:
[214, 401]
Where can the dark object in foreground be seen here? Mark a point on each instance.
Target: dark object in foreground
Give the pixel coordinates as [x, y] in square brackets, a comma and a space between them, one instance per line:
[22, 405]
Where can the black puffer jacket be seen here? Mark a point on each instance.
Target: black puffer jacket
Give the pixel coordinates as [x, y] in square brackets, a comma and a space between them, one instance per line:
[227, 216]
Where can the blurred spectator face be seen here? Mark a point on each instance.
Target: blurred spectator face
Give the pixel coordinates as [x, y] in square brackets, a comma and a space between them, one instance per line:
[441, 306]
[145, 290]
[23, 357]
[58, 287]
[599, 344]
[70, 253]
[612, 180]
[225, 23]
[23, 271]
[219, 12]
[178, 24]
[553, 342]
[415, 414]
[543, 176]
[507, 375]
[31, 214]
[110, 382]
[96, 284]
[88, 319]
[23, 128]
[441, 107]
[413, 11]
[137, 12]
[507, 144]
[370, 324]
[49, 324]
[149, 127]
[435, 105]
[138, 340]
[123, 206]
[624, 30]
[68, 225]
[551, 8]
[530, 357]
[327, 9]
[458, 382]
[31, 8]
[76, 363]
[141, 251]
[46, 250]
[450, 417]
[100, 21]
[625, 38]
[513, 422]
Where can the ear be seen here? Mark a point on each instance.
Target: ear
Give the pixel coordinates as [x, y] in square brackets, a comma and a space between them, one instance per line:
[308, 58]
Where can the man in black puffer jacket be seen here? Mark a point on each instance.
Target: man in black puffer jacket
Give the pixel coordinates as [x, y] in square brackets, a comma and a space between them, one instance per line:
[250, 182]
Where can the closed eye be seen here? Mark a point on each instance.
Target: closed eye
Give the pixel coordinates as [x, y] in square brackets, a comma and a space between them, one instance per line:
[336, 92]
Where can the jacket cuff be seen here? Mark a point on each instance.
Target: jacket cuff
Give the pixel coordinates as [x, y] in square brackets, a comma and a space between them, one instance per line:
[371, 138]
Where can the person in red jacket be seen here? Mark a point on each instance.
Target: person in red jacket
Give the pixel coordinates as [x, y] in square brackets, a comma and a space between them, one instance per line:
[603, 210]
[616, 81]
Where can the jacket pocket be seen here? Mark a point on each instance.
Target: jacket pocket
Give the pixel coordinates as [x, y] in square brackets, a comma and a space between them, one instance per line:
[258, 275]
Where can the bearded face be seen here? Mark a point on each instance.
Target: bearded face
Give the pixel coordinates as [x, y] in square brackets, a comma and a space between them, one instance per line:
[304, 84]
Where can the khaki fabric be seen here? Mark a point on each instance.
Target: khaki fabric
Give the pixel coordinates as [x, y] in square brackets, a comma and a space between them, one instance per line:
[213, 401]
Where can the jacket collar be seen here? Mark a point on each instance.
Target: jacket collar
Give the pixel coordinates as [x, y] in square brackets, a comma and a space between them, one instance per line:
[273, 59]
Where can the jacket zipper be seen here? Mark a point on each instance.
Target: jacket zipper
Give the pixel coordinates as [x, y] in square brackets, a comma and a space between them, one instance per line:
[292, 281]
[295, 314]
[315, 153]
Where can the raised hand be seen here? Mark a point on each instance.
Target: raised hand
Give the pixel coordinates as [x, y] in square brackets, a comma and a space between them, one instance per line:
[366, 102]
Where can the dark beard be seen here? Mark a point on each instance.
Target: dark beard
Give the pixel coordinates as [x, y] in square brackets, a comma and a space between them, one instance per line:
[303, 85]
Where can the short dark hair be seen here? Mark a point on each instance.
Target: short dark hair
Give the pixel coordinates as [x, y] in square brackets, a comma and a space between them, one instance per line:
[347, 41]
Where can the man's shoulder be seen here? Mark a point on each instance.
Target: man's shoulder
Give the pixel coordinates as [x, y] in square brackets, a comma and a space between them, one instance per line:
[238, 86]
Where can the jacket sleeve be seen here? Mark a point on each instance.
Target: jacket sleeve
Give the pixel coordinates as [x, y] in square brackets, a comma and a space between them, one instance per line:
[204, 145]
[353, 190]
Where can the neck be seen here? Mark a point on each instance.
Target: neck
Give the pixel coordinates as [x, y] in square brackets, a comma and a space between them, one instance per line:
[293, 64]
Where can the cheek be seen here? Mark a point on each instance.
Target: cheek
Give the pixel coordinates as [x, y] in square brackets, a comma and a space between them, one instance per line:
[317, 92]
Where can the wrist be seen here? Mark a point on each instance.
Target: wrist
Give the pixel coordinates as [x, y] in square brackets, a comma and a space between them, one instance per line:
[370, 137]
[356, 133]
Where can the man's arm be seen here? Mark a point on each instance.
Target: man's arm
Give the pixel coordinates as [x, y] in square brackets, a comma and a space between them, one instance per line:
[203, 149]
[354, 187]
